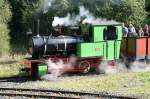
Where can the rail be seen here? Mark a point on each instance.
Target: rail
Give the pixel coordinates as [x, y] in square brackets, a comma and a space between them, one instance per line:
[58, 94]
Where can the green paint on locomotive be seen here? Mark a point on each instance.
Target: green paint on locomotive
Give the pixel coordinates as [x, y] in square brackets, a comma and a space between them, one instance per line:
[91, 49]
[42, 69]
[97, 34]
[98, 46]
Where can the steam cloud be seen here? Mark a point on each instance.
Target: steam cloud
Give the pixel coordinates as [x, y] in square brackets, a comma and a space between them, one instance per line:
[71, 20]
[46, 5]
[58, 68]
[135, 66]
[106, 68]
[139, 67]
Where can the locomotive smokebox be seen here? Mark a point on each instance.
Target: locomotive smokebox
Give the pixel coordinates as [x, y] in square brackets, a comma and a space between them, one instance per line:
[50, 45]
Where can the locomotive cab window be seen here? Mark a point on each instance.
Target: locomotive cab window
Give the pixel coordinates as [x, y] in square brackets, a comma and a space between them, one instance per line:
[110, 33]
[86, 31]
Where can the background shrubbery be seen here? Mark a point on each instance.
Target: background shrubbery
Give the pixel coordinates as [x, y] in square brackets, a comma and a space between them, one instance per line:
[5, 15]
[23, 12]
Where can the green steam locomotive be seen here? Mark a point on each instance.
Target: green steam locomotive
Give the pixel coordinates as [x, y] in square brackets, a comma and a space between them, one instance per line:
[90, 44]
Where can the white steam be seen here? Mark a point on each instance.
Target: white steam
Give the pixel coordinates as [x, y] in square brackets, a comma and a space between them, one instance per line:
[58, 68]
[46, 5]
[139, 67]
[71, 20]
[107, 68]
[135, 66]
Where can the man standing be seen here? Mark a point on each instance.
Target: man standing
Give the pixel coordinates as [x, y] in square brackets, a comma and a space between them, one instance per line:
[132, 31]
[125, 30]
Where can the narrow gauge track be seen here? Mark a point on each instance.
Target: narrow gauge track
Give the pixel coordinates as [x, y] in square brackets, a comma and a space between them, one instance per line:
[57, 94]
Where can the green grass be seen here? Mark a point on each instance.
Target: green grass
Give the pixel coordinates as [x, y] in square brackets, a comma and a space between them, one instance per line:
[10, 66]
[127, 83]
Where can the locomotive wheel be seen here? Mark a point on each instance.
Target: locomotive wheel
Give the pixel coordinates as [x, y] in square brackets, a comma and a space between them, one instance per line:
[84, 65]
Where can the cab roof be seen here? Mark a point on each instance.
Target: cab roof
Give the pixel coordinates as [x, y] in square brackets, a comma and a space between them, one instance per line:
[106, 24]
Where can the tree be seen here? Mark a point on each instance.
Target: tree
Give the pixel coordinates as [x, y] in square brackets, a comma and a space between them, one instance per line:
[119, 10]
[147, 4]
[5, 16]
[23, 11]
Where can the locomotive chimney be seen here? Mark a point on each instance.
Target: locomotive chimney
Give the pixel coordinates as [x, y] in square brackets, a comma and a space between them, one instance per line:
[38, 26]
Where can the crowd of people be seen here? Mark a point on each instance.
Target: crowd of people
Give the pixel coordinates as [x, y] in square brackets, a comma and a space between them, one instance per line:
[130, 31]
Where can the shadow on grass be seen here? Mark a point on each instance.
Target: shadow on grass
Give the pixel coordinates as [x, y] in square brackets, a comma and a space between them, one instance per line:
[17, 79]
[92, 72]
[8, 62]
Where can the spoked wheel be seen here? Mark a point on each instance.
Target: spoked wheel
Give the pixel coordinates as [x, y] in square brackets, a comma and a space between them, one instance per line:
[85, 65]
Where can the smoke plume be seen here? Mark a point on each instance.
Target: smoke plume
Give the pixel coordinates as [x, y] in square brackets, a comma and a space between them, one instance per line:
[106, 68]
[45, 6]
[71, 20]
[58, 68]
[135, 66]
[139, 67]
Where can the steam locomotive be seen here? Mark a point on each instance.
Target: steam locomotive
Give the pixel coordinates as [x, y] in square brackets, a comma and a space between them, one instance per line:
[90, 44]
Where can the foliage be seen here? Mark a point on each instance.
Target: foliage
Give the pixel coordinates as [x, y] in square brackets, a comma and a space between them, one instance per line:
[22, 17]
[147, 3]
[5, 16]
[119, 10]
[4, 41]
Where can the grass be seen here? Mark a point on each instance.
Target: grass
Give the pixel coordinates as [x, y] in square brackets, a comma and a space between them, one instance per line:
[10, 66]
[125, 83]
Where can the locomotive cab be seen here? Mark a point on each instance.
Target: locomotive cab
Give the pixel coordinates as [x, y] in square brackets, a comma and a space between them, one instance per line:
[104, 41]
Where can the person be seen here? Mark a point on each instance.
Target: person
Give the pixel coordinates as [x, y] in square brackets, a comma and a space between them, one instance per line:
[85, 31]
[146, 30]
[125, 30]
[132, 31]
[110, 33]
[149, 30]
[140, 31]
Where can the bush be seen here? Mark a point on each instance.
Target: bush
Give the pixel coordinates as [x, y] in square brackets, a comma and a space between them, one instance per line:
[5, 16]
[4, 41]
